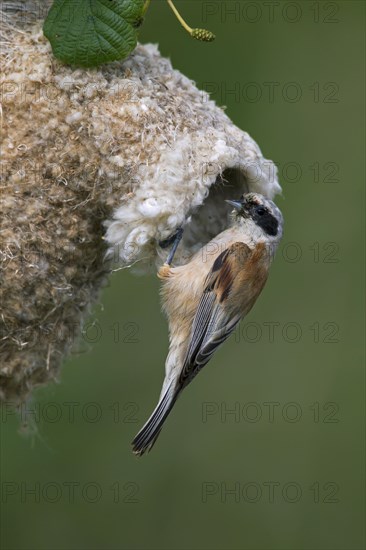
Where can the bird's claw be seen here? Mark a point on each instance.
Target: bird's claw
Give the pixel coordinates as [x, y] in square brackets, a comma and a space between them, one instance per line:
[164, 271]
[172, 238]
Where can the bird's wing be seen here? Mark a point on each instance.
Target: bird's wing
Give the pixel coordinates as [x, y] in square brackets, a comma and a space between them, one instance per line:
[218, 311]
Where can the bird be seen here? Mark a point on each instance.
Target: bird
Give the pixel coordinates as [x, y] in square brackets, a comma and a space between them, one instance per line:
[205, 299]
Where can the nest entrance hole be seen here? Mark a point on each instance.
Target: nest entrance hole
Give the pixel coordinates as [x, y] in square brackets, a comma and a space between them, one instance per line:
[213, 216]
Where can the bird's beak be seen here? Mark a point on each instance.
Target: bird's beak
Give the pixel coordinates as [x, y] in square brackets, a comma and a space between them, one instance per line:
[236, 204]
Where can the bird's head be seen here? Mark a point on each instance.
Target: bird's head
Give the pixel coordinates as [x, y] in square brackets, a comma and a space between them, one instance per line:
[262, 211]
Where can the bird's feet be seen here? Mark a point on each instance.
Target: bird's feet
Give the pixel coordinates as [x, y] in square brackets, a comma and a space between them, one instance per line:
[172, 240]
[164, 271]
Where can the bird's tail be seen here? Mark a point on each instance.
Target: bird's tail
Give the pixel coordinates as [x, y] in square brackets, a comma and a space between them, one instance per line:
[147, 436]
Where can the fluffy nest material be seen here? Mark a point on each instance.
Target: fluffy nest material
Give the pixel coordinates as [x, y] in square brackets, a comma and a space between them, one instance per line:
[100, 165]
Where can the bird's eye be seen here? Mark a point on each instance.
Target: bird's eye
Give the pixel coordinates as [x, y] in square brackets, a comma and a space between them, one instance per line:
[261, 210]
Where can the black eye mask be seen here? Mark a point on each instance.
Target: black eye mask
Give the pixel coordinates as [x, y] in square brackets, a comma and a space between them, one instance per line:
[265, 220]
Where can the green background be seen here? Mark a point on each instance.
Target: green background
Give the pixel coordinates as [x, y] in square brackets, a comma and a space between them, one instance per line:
[206, 484]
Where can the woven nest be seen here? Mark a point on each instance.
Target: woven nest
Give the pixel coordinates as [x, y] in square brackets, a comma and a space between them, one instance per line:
[99, 165]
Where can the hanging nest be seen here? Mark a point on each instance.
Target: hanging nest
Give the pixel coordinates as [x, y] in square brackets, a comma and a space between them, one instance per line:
[99, 166]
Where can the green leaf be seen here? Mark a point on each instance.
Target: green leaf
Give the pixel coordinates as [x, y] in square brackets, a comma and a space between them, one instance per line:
[92, 32]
